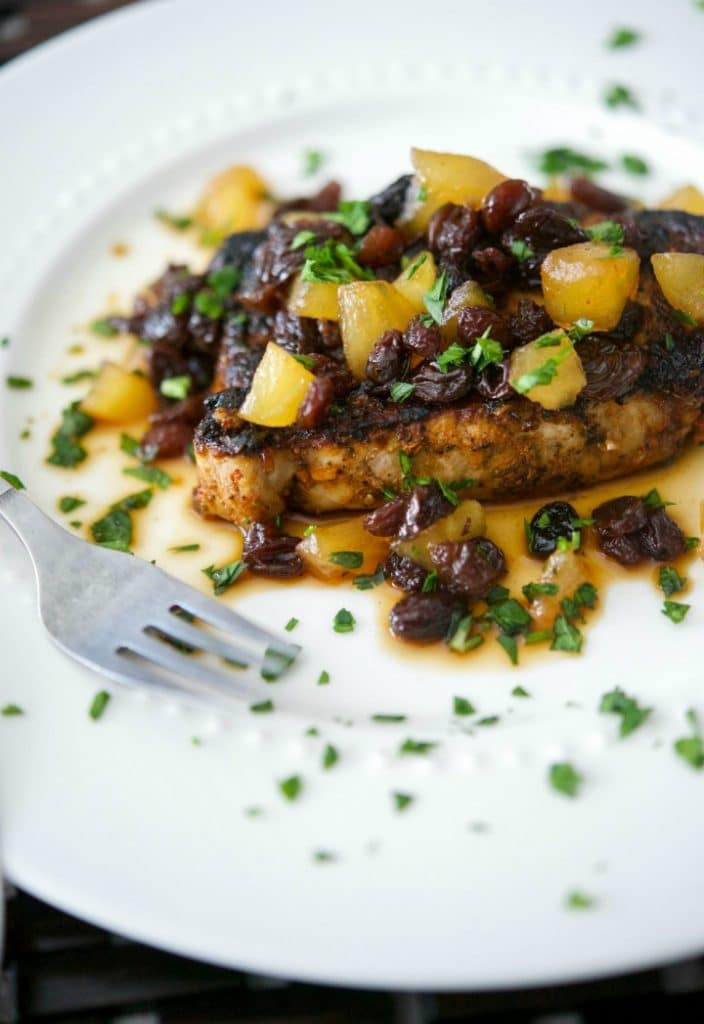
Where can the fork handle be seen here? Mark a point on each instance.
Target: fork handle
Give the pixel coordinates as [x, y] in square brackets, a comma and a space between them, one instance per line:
[38, 532]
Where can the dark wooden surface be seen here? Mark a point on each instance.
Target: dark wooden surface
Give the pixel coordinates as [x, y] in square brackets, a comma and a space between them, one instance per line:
[59, 969]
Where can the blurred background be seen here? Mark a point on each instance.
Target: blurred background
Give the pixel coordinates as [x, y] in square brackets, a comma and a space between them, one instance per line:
[57, 968]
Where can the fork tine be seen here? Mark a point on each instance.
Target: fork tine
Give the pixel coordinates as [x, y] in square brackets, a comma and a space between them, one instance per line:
[194, 636]
[188, 669]
[135, 671]
[224, 618]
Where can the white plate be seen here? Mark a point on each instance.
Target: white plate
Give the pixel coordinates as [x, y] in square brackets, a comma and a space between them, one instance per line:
[126, 822]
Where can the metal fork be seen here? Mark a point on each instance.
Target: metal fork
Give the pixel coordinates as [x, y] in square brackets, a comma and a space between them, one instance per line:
[131, 621]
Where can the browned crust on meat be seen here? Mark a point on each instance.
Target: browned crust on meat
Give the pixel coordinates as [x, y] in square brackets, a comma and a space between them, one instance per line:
[512, 450]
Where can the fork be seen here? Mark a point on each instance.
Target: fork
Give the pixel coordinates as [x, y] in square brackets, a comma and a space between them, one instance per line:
[131, 621]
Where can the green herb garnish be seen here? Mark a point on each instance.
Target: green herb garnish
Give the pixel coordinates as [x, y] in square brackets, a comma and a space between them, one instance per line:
[410, 746]
[323, 678]
[344, 621]
[691, 748]
[634, 164]
[11, 711]
[415, 265]
[185, 547]
[670, 580]
[354, 214]
[334, 263]
[179, 222]
[518, 691]
[312, 161]
[330, 756]
[461, 706]
[565, 636]
[621, 37]
[435, 299]
[618, 703]
[19, 383]
[291, 787]
[12, 480]
[620, 96]
[564, 777]
[533, 590]
[79, 376]
[99, 704]
[176, 387]
[675, 611]
[401, 390]
[224, 576]
[114, 530]
[367, 582]
[103, 327]
[69, 503]
[347, 559]
[66, 449]
[262, 708]
[150, 475]
[578, 900]
[521, 250]
[564, 160]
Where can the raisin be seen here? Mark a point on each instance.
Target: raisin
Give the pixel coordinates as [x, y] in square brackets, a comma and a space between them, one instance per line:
[271, 553]
[529, 321]
[326, 366]
[404, 573]
[504, 203]
[493, 383]
[424, 617]
[316, 402]
[625, 549]
[543, 229]
[587, 192]
[473, 321]
[611, 369]
[549, 523]
[493, 268]
[297, 334]
[453, 232]
[423, 339]
[171, 429]
[661, 538]
[386, 520]
[620, 516]
[424, 505]
[326, 199]
[387, 359]
[468, 567]
[380, 246]
[437, 388]
[387, 205]
[237, 250]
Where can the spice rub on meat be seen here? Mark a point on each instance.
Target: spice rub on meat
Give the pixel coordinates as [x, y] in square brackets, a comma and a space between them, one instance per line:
[524, 344]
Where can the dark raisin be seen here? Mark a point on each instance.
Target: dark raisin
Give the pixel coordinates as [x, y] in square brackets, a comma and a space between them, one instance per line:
[543, 229]
[387, 205]
[297, 334]
[316, 402]
[326, 199]
[404, 573]
[237, 250]
[437, 388]
[473, 321]
[493, 383]
[625, 549]
[529, 321]
[424, 617]
[381, 245]
[425, 504]
[329, 336]
[611, 369]
[386, 520]
[493, 268]
[468, 567]
[388, 359]
[661, 538]
[630, 323]
[326, 366]
[587, 192]
[171, 429]
[549, 523]
[453, 232]
[505, 202]
[620, 516]
[271, 553]
[423, 339]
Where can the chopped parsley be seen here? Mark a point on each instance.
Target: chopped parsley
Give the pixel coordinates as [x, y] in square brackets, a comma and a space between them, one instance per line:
[565, 160]
[66, 448]
[69, 503]
[302, 238]
[79, 376]
[564, 778]
[539, 636]
[324, 856]
[344, 621]
[401, 390]
[670, 580]
[510, 616]
[291, 625]
[430, 583]
[620, 96]
[542, 374]
[99, 704]
[533, 590]
[323, 678]
[435, 298]
[607, 231]
[618, 703]
[263, 707]
[19, 383]
[275, 664]
[565, 636]
[312, 161]
[354, 214]
[422, 194]
[621, 37]
[224, 576]
[509, 644]
[140, 499]
[518, 691]
[4, 342]
[11, 711]
[521, 250]
[461, 706]
[415, 265]
[114, 530]
[150, 475]
[330, 756]
[653, 500]
[684, 318]
[461, 639]
[185, 547]
[181, 304]
[291, 787]
[675, 611]
[634, 164]
[578, 900]
[176, 387]
[388, 719]
[179, 222]
[208, 304]
[580, 329]
[402, 800]
[365, 581]
[410, 746]
[691, 748]
[347, 559]
[104, 327]
[334, 263]
[224, 281]
[12, 480]
[305, 360]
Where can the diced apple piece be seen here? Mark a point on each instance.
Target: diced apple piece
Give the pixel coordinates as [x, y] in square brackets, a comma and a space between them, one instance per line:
[447, 178]
[567, 570]
[367, 309]
[466, 521]
[688, 198]
[333, 551]
[585, 281]
[465, 295]
[548, 371]
[119, 396]
[420, 281]
[317, 299]
[235, 200]
[681, 277]
[278, 388]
